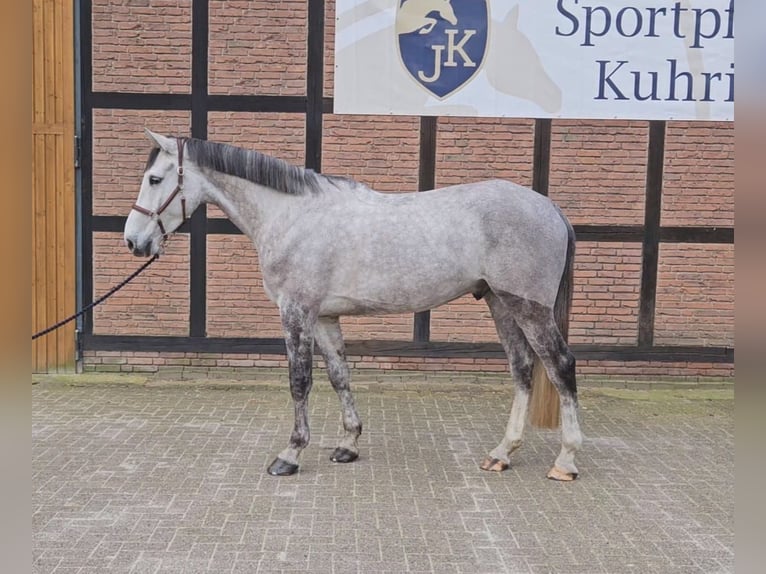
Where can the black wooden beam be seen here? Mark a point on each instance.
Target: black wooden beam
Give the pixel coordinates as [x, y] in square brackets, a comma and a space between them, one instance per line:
[198, 223]
[609, 233]
[276, 346]
[141, 101]
[651, 244]
[314, 85]
[585, 233]
[421, 329]
[541, 159]
[427, 153]
[215, 102]
[721, 235]
[220, 226]
[268, 104]
[86, 161]
[254, 103]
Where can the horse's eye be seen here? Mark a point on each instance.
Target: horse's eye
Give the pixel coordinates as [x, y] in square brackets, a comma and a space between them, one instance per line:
[154, 180]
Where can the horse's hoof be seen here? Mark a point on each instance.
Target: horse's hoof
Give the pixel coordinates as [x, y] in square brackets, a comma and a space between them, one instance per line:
[344, 455]
[561, 475]
[282, 468]
[494, 464]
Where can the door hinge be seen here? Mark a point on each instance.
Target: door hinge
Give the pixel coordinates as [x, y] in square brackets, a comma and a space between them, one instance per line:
[77, 151]
[77, 345]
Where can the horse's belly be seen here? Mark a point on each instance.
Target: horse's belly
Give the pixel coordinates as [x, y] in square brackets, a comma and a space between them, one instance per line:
[386, 298]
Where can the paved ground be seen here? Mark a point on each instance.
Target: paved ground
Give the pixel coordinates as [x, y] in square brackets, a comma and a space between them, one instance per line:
[161, 477]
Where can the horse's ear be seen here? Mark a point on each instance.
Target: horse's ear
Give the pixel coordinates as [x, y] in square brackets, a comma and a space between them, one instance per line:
[165, 143]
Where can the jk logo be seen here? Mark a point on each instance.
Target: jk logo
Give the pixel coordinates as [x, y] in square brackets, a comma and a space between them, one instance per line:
[442, 42]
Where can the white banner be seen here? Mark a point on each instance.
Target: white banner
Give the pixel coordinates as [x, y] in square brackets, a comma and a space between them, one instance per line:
[640, 59]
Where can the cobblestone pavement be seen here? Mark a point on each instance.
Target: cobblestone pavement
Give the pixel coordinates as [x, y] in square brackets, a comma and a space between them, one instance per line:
[163, 477]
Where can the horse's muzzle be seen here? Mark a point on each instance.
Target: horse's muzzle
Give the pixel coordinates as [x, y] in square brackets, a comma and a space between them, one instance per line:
[138, 252]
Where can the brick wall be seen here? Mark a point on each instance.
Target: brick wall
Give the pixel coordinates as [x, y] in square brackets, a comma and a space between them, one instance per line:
[597, 176]
[598, 170]
[257, 47]
[142, 45]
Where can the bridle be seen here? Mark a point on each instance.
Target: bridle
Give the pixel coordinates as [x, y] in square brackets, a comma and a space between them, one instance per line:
[155, 215]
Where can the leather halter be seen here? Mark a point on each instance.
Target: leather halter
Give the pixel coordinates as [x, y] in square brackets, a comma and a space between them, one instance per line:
[155, 215]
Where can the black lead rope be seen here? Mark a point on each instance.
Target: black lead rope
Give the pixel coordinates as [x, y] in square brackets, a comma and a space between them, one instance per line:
[105, 296]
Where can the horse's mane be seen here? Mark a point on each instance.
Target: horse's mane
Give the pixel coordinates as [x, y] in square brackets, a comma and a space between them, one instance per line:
[253, 166]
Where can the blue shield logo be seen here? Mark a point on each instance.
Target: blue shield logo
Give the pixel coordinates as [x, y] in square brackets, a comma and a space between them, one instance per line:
[442, 42]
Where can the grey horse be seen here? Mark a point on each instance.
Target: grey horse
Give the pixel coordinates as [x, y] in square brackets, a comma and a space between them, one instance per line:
[331, 246]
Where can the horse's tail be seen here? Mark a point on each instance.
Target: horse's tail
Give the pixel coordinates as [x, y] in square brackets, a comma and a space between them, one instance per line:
[545, 402]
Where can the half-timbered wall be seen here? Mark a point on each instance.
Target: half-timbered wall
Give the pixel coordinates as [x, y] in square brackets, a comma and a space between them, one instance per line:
[652, 202]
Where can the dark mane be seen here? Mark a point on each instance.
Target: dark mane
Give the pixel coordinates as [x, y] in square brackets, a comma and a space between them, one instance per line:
[253, 166]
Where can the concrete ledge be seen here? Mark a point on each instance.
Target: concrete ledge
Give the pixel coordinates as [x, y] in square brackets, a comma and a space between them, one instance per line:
[243, 376]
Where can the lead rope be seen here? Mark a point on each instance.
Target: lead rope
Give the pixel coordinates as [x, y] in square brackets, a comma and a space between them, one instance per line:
[105, 296]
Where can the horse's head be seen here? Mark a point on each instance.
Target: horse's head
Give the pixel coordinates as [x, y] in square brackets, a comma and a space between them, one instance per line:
[169, 194]
[444, 7]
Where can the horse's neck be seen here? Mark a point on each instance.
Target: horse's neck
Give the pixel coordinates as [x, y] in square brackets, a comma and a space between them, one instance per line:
[250, 206]
[258, 210]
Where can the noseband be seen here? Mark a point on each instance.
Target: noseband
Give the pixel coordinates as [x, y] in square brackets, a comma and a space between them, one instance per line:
[155, 215]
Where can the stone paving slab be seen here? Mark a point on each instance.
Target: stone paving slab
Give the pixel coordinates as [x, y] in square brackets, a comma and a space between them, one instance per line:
[140, 477]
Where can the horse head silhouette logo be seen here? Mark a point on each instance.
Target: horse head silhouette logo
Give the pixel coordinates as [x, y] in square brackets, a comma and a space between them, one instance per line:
[442, 42]
[414, 15]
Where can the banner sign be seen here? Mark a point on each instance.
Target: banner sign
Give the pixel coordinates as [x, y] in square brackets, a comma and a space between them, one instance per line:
[635, 59]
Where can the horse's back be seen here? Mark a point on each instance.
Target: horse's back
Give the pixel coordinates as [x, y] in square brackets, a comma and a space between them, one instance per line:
[508, 212]
[506, 234]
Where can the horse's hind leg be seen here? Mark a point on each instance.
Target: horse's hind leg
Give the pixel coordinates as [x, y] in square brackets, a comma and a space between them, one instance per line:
[298, 324]
[521, 360]
[330, 341]
[543, 335]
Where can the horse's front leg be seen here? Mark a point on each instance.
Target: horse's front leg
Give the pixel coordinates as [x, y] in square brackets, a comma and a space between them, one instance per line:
[298, 324]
